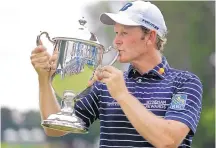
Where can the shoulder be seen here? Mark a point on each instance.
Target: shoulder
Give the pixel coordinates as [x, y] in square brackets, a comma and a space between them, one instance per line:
[182, 75]
[184, 79]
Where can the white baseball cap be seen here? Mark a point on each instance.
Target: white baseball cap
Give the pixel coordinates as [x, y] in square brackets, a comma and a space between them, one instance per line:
[138, 13]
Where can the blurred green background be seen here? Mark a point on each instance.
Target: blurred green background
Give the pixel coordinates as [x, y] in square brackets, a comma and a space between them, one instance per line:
[190, 46]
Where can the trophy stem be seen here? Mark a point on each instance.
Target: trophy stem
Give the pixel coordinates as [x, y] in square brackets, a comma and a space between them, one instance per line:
[66, 119]
[68, 102]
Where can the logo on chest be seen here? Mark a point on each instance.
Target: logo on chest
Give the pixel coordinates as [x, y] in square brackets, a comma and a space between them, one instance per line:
[156, 104]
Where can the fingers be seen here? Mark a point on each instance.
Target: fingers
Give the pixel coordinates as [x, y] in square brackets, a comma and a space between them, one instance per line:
[90, 82]
[42, 59]
[103, 74]
[54, 57]
[99, 76]
[39, 55]
[53, 68]
[93, 79]
[38, 49]
[53, 61]
[109, 69]
[96, 77]
[42, 66]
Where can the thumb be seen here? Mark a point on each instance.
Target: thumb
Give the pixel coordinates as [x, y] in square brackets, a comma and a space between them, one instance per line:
[54, 57]
[91, 81]
[97, 77]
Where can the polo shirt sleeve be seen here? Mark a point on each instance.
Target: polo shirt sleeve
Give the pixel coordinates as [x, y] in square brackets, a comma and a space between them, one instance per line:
[87, 108]
[186, 104]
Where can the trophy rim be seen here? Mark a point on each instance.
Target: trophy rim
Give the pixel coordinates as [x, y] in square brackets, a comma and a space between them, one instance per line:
[81, 40]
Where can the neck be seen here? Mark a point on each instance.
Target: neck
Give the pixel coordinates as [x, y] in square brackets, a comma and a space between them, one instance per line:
[147, 62]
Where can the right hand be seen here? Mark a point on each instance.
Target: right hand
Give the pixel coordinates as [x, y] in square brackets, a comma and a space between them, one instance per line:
[96, 77]
[43, 63]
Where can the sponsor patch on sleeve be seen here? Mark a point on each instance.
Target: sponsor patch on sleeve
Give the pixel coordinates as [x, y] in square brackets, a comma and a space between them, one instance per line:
[178, 102]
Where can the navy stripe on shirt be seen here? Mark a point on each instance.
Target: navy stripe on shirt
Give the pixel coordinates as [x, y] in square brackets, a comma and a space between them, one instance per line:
[155, 91]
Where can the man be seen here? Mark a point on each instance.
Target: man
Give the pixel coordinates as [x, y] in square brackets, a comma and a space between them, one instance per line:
[151, 104]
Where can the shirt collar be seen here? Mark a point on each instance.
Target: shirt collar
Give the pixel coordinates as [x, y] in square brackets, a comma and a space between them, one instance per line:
[158, 71]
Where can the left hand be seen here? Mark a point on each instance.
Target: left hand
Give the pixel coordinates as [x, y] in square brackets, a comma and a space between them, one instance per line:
[114, 80]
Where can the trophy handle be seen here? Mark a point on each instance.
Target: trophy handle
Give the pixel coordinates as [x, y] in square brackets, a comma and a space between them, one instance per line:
[89, 88]
[116, 56]
[38, 40]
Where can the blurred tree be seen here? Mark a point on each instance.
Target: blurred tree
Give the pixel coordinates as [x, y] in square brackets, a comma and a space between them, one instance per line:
[32, 119]
[6, 120]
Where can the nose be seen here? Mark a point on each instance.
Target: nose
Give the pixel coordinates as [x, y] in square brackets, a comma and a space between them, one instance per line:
[117, 41]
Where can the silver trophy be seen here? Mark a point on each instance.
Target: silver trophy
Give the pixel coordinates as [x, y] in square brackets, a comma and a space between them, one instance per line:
[77, 60]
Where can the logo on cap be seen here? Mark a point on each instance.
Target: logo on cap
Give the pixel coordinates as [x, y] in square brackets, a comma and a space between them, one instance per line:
[125, 7]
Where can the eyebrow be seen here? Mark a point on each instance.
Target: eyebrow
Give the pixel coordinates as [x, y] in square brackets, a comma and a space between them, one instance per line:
[126, 27]
[129, 27]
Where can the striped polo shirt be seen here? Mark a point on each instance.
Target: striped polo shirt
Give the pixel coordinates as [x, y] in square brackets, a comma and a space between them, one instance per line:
[173, 94]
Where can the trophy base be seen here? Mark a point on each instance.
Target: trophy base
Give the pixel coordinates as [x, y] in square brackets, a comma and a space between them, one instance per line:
[67, 123]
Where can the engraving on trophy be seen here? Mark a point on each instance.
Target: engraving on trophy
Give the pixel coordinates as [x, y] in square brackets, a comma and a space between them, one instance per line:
[77, 58]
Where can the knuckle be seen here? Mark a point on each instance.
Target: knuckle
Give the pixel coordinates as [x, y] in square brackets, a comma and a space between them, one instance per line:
[55, 57]
[52, 58]
[47, 53]
[42, 59]
[32, 62]
[32, 56]
[53, 66]
[41, 47]
[119, 72]
[36, 66]
[33, 51]
[46, 58]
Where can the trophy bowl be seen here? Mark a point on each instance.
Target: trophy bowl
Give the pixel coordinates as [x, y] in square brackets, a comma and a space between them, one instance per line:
[78, 58]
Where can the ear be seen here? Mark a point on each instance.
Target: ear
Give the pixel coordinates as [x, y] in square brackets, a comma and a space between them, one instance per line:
[153, 36]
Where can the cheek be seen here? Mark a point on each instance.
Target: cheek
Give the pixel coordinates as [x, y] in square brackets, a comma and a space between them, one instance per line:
[136, 46]
[131, 44]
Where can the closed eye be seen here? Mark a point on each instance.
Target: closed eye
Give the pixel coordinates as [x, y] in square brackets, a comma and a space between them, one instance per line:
[122, 33]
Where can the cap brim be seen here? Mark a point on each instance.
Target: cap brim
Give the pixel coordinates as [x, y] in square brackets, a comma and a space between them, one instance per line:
[112, 18]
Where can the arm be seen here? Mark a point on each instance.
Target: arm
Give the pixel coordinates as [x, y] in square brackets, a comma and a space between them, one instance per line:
[158, 131]
[48, 105]
[171, 130]
[86, 108]
[47, 101]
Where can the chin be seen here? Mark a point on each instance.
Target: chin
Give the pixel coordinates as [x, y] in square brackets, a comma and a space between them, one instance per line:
[123, 60]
